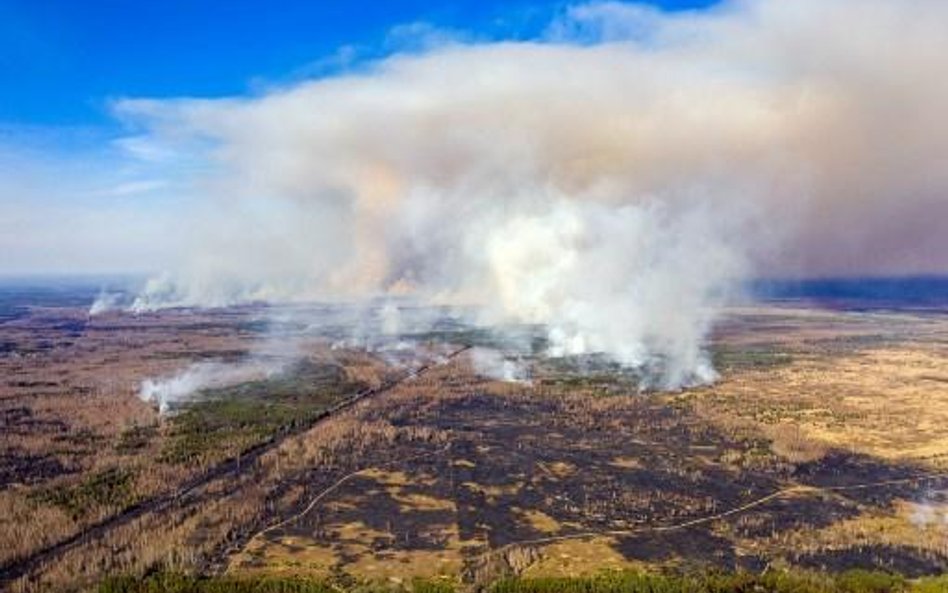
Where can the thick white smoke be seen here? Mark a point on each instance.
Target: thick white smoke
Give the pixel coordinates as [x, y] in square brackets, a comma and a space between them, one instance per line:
[632, 280]
[612, 181]
[105, 302]
[273, 356]
[496, 365]
[183, 386]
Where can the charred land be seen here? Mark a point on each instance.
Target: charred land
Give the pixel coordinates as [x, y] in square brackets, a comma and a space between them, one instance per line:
[821, 449]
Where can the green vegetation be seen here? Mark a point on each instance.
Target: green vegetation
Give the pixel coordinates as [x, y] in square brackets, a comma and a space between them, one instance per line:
[931, 585]
[772, 582]
[427, 586]
[110, 488]
[176, 583]
[194, 355]
[612, 582]
[225, 421]
[527, 338]
[591, 372]
[210, 427]
[729, 358]
[135, 438]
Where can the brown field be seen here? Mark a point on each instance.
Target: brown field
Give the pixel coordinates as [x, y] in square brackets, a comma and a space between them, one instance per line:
[824, 445]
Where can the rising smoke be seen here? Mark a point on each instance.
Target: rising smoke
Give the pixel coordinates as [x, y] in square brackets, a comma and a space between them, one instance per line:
[165, 392]
[930, 512]
[614, 181]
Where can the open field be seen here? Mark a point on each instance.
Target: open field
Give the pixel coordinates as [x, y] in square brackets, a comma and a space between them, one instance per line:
[824, 446]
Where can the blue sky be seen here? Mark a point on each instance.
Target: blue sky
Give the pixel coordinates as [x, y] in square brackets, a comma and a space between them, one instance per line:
[61, 61]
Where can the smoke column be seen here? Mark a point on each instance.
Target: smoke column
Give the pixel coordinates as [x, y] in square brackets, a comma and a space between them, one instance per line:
[166, 391]
[614, 180]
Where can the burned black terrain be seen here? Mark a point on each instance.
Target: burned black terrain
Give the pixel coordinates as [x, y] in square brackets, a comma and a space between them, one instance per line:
[525, 471]
[400, 457]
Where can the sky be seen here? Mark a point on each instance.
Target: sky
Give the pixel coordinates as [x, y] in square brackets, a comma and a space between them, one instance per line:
[76, 194]
[132, 135]
[62, 61]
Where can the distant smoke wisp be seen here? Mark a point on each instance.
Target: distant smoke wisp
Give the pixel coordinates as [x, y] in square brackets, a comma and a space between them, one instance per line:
[931, 511]
[613, 181]
[105, 302]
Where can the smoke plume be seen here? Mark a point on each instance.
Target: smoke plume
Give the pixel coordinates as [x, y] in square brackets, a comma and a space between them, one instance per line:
[496, 365]
[614, 180]
[182, 386]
